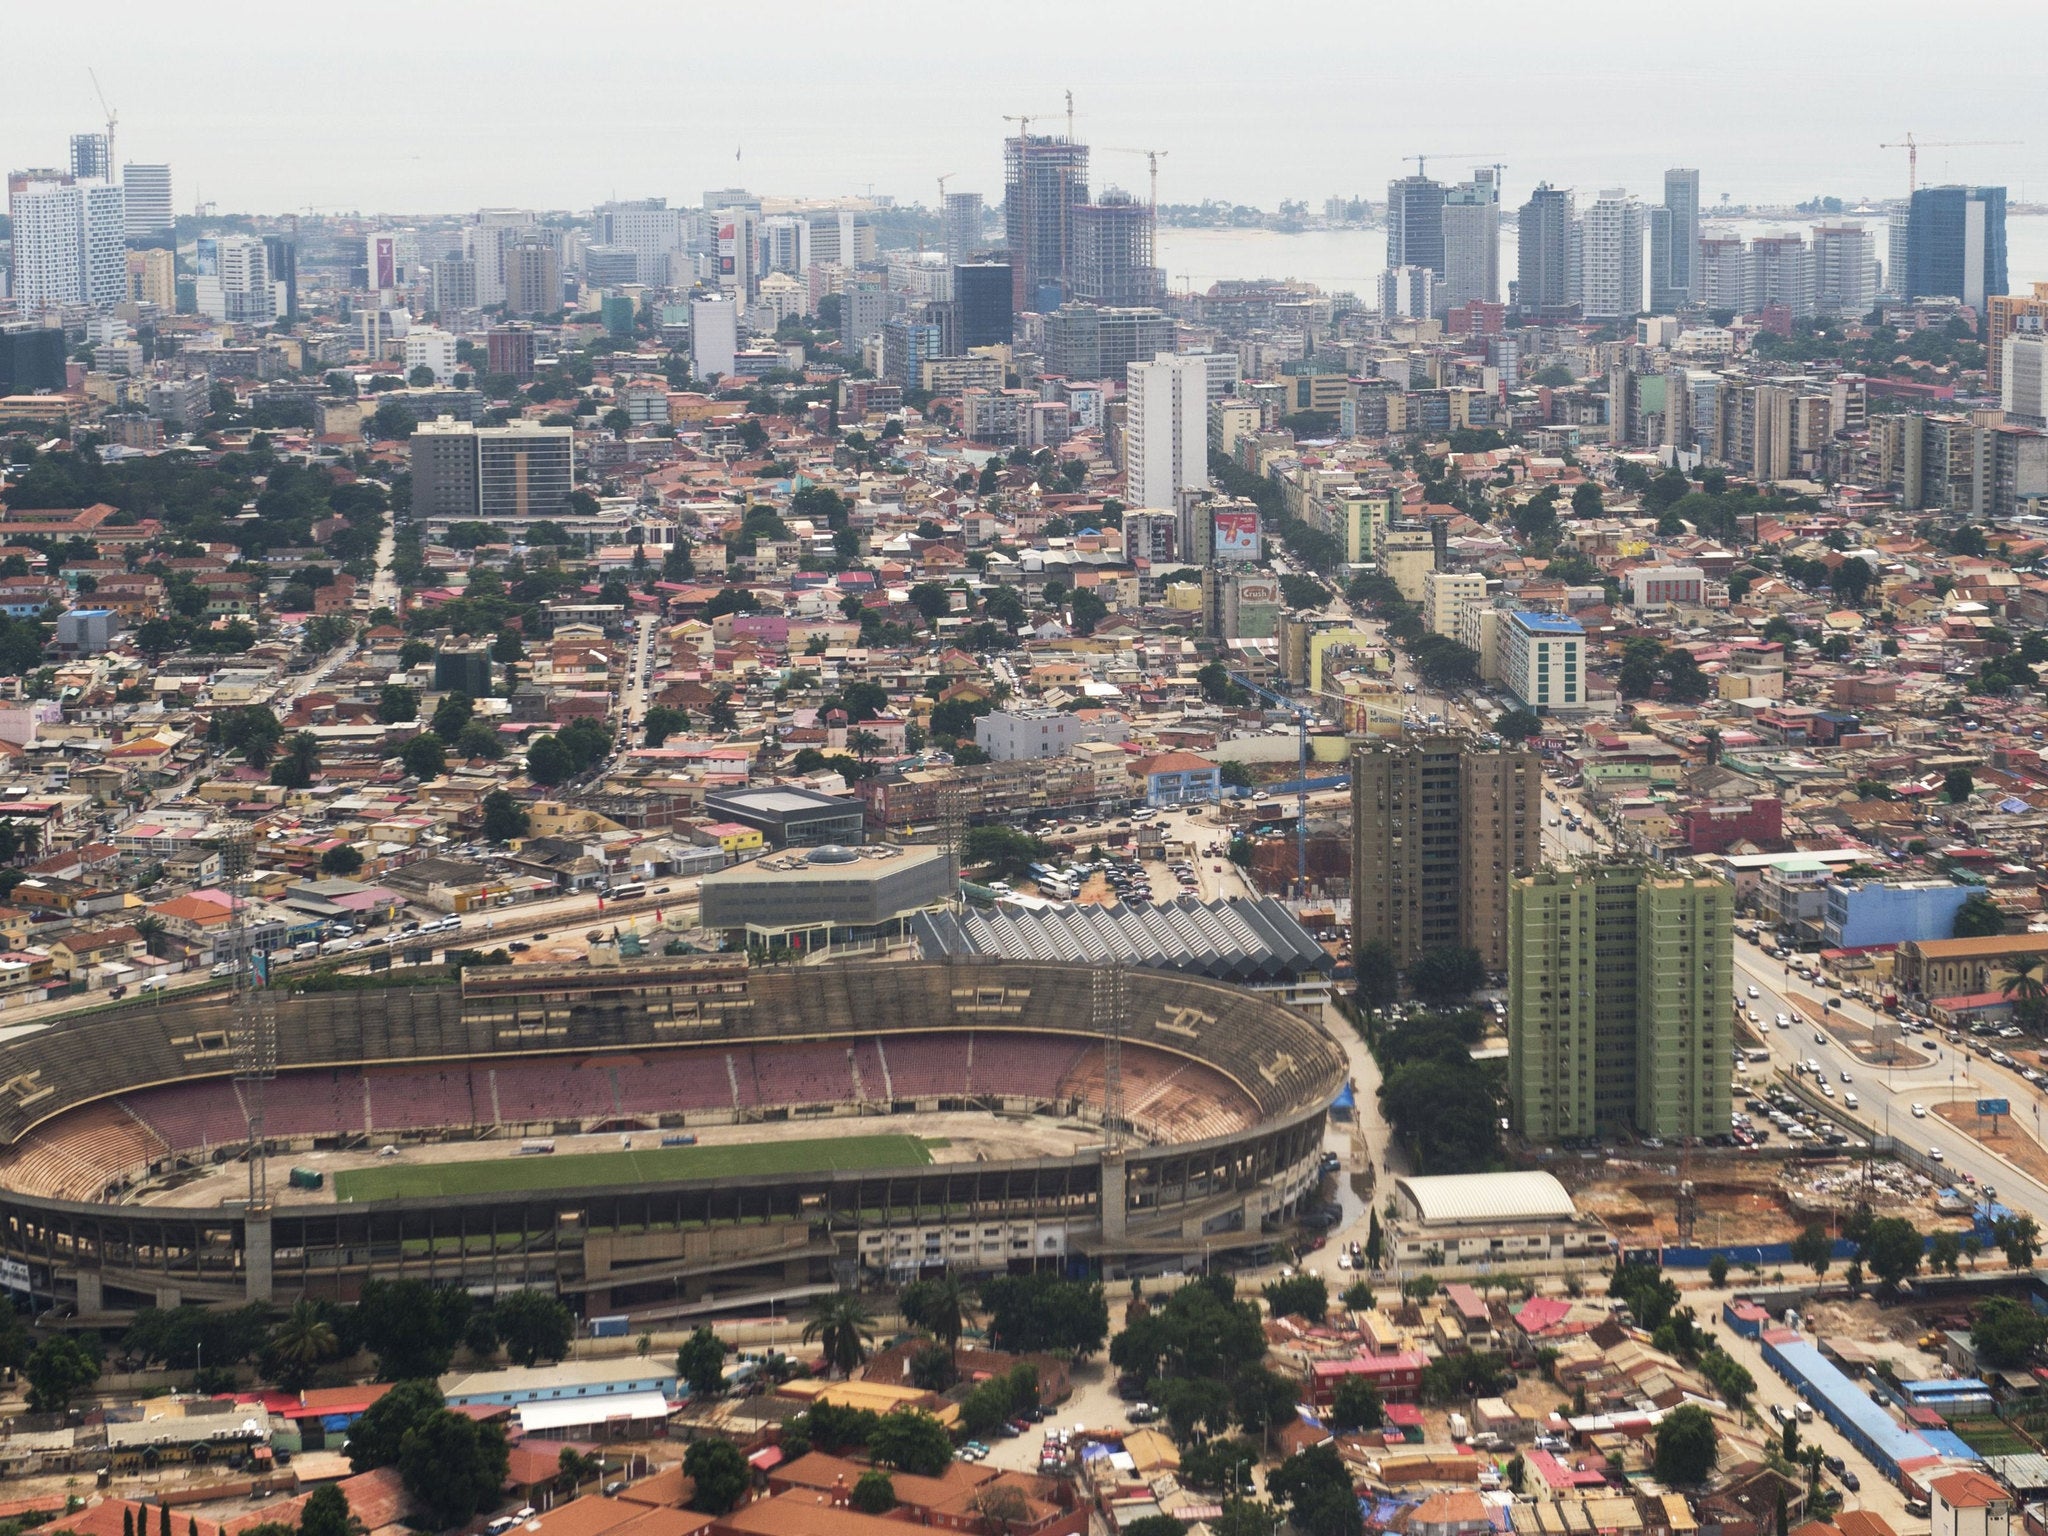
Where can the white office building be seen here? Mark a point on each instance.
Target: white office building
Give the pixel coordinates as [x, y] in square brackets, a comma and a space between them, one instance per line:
[1166, 431]
[2023, 387]
[147, 190]
[714, 337]
[648, 227]
[69, 243]
[1542, 662]
[1844, 270]
[1408, 293]
[1611, 272]
[234, 280]
[1471, 241]
[431, 348]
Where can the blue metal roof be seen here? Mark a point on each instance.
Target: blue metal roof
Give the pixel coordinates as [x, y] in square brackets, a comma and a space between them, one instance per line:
[1545, 624]
[1850, 1401]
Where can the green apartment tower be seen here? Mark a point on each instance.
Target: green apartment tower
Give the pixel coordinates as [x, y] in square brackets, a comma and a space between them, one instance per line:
[1618, 987]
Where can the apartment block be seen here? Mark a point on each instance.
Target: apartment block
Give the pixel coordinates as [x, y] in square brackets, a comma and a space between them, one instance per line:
[1440, 828]
[1443, 592]
[1618, 1013]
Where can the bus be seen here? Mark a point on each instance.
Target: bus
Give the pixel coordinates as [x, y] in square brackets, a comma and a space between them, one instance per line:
[629, 890]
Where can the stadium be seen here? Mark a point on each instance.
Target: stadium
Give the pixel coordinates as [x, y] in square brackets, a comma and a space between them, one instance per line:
[661, 1138]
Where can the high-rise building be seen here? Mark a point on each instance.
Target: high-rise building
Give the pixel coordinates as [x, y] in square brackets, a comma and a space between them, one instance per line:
[283, 256]
[1166, 432]
[509, 349]
[1045, 178]
[1781, 274]
[862, 309]
[1726, 282]
[153, 278]
[498, 475]
[960, 225]
[31, 358]
[1898, 241]
[1955, 244]
[70, 241]
[907, 345]
[739, 252]
[1112, 260]
[533, 277]
[1543, 232]
[1086, 341]
[454, 280]
[1471, 241]
[982, 291]
[146, 190]
[1844, 270]
[1408, 293]
[714, 336]
[1675, 243]
[1543, 662]
[1415, 223]
[2006, 313]
[91, 157]
[1611, 281]
[1440, 826]
[647, 227]
[2023, 389]
[1618, 1016]
[234, 280]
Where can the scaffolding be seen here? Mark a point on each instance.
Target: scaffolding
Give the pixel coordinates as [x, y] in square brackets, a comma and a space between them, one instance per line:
[1044, 176]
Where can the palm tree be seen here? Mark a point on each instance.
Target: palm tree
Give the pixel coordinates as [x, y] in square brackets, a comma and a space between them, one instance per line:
[844, 1328]
[865, 744]
[302, 1340]
[944, 1309]
[151, 927]
[2025, 985]
[303, 753]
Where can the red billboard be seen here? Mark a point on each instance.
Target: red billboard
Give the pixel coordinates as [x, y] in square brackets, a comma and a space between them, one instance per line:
[1237, 536]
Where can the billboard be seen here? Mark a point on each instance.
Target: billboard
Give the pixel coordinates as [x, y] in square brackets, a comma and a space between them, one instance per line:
[1994, 1106]
[1237, 536]
[383, 262]
[206, 257]
[13, 1275]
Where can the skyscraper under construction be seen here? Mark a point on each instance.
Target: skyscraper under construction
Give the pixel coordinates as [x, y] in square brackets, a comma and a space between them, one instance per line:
[1440, 827]
[1045, 178]
[1112, 258]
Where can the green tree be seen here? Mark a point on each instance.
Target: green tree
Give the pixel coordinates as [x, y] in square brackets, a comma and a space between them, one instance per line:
[1379, 976]
[1892, 1251]
[941, 1307]
[1517, 725]
[303, 1341]
[411, 1326]
[1944, 1253]
[1030, 1313]
[1979, 918]
[453, 1466]
[1088, 610]
[1316, 1487]
[325, 1513]
[842, 1326]
[507, 648]
[1957, 786]
[397, 704]
[911, 1441]
[2007, 1333]
[61, 1370]
[424, 757]
[1447, 974]
[1687, 1443]
[663, 722]
[2020, 1239]
[701, 1363]
[342, 859]
[1717, 1270]
[1303, 1295]
[479, 741]
[2023, 983]
[453, 713]
[873, 1494]
[504, 817]
[535, 1326]
[1356, 1405]
[548, 761]
[301, 761]
[1814, 1248]
[375, 1438]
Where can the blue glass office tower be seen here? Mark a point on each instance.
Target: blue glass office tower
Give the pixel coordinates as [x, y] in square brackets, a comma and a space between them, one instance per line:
[1955, 244]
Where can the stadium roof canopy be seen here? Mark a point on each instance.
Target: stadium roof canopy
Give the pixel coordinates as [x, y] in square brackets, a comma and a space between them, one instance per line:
[1459, 1198]
[1245, 941]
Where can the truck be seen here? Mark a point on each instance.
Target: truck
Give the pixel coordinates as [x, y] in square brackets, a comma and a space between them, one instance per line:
[307, 1178]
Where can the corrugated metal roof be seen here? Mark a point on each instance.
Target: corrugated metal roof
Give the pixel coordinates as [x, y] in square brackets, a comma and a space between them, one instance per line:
[1461, 1197]
[1227, 940]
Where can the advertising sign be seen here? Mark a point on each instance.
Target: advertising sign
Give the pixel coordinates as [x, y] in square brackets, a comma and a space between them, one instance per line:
[13, 1275]
[384, 262]
[1237, 536]
[1994, 1106]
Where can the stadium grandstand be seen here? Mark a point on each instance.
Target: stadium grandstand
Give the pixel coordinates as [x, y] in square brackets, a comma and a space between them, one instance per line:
[115, 1132]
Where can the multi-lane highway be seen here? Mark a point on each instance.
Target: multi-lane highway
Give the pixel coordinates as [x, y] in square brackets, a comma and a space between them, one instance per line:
[1887, 1095]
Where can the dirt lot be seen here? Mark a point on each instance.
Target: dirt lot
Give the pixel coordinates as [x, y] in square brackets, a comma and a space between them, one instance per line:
[2009, 1139]
[966, 1136]
[1745, 1200]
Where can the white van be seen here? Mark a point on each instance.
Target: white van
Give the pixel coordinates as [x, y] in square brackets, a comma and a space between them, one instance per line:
[1849, 1099]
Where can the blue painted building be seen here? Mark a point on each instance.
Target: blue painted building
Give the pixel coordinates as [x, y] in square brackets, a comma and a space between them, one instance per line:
[1181, 778]
[1891, 911]
[1843, 1403]
[566, 1382]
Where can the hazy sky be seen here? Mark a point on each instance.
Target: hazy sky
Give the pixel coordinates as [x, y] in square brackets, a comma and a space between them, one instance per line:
[445, 105]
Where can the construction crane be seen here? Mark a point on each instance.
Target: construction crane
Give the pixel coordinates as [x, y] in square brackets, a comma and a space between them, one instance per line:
[1913, 146]
[112, 118]
[1473, 154]
[1152, 159]
[942, 188]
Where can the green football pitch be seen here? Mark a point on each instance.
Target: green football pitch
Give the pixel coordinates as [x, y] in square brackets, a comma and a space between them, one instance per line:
[514, 1173]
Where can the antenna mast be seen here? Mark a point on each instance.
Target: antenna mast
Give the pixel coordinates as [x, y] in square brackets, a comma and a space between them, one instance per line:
[253, 1032]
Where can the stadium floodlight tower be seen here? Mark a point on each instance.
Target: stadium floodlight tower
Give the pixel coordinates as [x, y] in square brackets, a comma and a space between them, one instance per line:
[1108, 997]
[253, 1032]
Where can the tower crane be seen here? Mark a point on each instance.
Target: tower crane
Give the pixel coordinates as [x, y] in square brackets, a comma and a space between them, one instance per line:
[1152, 159]
[1913, 146]
[112, 118]
[942, 188]
[1434, 154]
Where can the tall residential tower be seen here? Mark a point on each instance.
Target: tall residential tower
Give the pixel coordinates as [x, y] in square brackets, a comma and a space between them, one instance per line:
[1675, 243]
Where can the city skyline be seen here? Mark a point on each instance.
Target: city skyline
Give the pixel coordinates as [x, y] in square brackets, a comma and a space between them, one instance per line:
[456, 117]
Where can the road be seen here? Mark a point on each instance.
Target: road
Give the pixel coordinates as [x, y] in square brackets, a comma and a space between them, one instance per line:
[1887, 1095]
